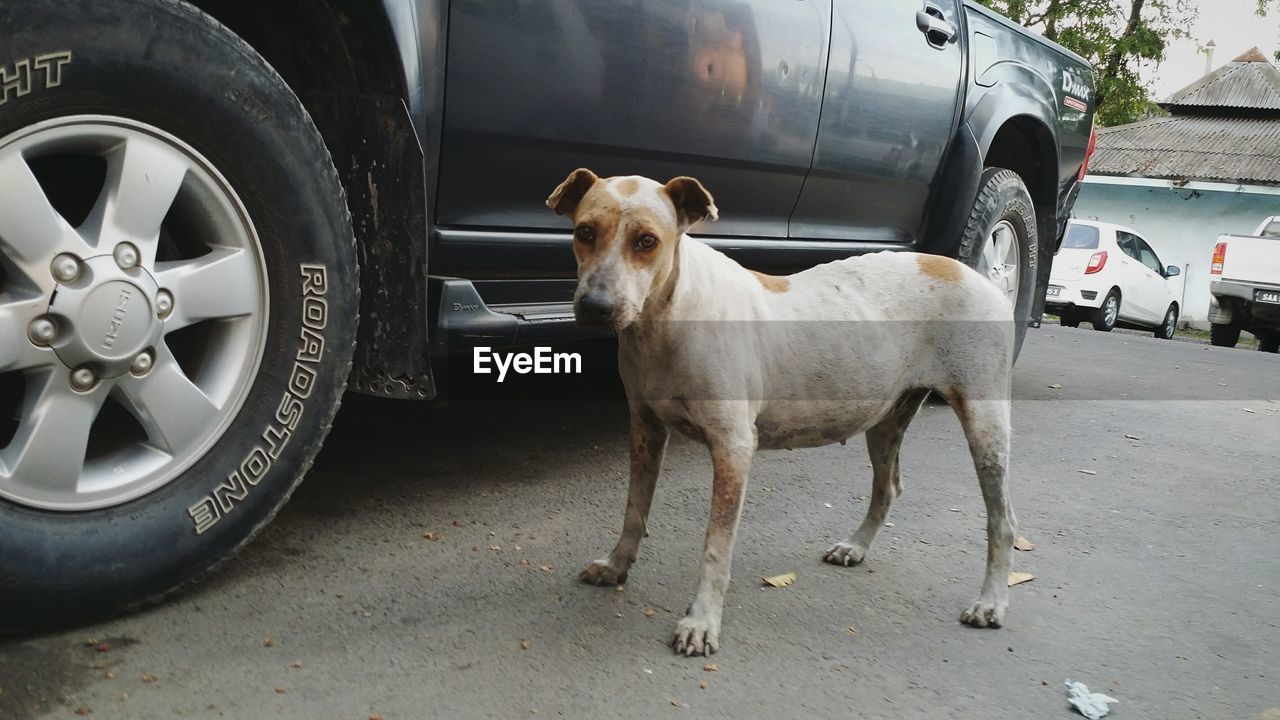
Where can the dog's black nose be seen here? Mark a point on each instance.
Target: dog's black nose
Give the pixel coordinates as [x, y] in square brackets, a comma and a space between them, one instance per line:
[594, 308]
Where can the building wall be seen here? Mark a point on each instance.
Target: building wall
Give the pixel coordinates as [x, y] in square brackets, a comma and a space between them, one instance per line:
[1181, 223]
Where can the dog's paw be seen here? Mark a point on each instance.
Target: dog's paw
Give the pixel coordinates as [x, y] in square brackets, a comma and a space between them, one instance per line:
[601, 572]
[985, 614]
[696, 636]
[845, 554]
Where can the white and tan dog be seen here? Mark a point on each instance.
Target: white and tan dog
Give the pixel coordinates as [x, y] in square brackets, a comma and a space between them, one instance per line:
[742, 361]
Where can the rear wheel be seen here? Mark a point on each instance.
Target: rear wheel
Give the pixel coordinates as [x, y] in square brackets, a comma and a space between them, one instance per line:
[1104, 318]
[177, 304]
[1169, 327]
[1224, 335]
[1000, 242]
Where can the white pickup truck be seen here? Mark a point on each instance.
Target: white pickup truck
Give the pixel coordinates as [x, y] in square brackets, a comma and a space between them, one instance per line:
[1246, 287]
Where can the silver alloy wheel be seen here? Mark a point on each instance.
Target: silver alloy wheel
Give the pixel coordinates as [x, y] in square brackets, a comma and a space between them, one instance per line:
[1000, 260]
[1169, 321]
[1111, 310]
[135, 335]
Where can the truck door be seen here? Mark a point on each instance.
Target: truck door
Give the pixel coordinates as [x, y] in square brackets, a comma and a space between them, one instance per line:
[893, 88]
[728, 91]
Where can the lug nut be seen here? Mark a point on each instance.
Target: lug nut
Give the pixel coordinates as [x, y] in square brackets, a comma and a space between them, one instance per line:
[65, 268]
[164, 303]
[142, 363]
[83, 379]
[126, 255]
[42, 331]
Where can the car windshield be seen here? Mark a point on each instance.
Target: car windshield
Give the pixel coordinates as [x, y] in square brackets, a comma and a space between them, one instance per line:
[1081, 237]
[1272, 230]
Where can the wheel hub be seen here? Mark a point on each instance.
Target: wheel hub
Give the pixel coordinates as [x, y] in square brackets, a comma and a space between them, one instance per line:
[132, 336]
[107, 316]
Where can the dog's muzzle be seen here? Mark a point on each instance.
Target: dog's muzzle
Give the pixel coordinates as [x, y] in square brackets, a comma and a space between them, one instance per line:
[594, 310]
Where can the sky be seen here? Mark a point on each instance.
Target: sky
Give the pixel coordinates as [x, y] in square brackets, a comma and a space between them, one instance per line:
[1229, 23]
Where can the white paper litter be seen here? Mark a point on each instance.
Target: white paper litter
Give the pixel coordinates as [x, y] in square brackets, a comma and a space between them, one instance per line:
[1090, 705]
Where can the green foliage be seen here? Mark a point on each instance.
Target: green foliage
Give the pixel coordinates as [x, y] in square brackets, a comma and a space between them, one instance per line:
[1117, 37]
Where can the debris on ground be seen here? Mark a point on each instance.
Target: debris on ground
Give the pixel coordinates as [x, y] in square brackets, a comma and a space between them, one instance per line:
[780, 581]
[1090, 705]
[1017, 578]
[431, 535]
[1023, 544]
[711, 667]
[650, 612]
[1132, 437]
[268, 642]
[1087, 472]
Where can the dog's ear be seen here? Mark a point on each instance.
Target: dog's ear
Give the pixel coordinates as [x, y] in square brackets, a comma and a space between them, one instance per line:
[564, 200]
[693, 202]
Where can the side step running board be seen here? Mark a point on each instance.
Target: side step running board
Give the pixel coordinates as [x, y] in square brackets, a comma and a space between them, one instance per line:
[463, 320]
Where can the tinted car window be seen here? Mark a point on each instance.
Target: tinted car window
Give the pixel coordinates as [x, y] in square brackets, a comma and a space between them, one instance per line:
[1129, 244]
[1148, 257]
[1081, 237]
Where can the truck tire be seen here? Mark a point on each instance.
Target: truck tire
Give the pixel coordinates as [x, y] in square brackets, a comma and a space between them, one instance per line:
[1269, 342]
[1104, 318]
[1224, 335]
[1000, 241]
[177, 305]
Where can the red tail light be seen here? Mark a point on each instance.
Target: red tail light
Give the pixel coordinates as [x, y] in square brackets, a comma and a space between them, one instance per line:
[1219, 258]
[1096, 263]
[1088, 154]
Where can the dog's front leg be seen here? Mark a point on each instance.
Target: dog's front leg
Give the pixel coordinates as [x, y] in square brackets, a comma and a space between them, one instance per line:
[699, 632]
[648, 444]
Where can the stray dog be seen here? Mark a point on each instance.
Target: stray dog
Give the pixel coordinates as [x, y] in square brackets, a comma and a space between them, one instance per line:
[742, 361]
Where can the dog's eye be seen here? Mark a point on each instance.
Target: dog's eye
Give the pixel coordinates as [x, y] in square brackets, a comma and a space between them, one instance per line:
[585, 234]
[646, 242]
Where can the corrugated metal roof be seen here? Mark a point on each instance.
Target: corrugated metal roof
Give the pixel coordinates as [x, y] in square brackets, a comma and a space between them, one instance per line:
[1251, 85]
[1224, 149]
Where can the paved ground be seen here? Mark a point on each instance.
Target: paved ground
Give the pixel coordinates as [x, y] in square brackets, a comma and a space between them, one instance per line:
[1156, 577]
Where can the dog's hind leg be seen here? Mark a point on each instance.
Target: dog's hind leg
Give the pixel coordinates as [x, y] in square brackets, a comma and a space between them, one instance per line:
[883, 442]
[648, 444]
[986, 424]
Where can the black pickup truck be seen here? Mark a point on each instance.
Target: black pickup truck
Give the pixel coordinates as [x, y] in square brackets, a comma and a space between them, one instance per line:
[215, 216]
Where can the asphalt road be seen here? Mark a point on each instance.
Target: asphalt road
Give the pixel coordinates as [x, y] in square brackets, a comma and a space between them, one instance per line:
[1157, 574]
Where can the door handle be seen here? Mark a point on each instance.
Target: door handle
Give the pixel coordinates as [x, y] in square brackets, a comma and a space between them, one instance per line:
[935, 26]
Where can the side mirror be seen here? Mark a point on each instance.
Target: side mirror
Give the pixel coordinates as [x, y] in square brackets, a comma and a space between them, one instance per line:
[1172, 271]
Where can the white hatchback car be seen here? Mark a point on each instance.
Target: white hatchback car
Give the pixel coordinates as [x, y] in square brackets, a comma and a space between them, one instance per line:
[1108, 275]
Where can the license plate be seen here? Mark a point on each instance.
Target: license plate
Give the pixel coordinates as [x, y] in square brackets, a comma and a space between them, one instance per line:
[1267, 296]
[1057, 292]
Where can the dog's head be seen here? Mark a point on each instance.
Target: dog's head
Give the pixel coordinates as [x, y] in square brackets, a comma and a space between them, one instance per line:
[626, 233]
